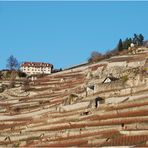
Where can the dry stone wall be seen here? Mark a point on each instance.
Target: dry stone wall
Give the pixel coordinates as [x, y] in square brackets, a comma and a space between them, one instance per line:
[71, 115]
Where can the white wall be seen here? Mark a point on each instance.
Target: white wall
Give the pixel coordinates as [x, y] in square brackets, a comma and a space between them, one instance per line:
[33, 70]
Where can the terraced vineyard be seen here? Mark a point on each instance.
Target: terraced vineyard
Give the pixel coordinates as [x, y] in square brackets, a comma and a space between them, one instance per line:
[75, 108]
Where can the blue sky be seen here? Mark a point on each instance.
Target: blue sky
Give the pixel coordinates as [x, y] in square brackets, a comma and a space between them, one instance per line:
[65, 33]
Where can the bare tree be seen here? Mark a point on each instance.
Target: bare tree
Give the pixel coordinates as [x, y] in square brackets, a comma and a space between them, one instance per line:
[26, 85]
[95, 57]
[145, 43]
[12, 79]
[12, 63]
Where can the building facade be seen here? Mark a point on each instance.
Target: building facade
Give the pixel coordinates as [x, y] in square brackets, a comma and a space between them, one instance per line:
[31, 68]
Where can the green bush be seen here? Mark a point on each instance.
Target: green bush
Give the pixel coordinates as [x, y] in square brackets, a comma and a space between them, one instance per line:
[124, 78]
[8, 74]
[21, 74]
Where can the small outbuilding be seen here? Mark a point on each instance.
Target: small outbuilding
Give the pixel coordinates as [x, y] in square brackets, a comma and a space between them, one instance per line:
[110, 79]
[98, 101]
[90, 90]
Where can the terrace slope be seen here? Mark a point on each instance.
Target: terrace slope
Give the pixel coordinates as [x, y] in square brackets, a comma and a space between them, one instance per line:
[74, 108]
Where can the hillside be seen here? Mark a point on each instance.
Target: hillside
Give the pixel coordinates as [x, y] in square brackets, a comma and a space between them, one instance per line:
[101, 104]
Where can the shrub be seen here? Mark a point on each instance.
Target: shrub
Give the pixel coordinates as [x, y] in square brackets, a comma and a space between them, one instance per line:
[124, 78]
[11, 84]
[111, 53]
[12, 79]
[8, 74]
[21, 74]
[95, 57]
[12, 63]
[26, 85]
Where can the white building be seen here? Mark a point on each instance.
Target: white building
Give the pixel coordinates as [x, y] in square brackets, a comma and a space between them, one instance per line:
[36, 68]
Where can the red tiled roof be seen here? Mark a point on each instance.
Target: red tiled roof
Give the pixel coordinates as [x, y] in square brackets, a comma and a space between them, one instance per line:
[36, 64]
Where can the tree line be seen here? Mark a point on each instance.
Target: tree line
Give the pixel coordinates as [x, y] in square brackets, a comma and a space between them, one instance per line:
[122, 46]
[137, 40]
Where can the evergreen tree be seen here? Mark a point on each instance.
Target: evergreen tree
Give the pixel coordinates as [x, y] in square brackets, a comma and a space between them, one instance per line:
[138, 39]
[141, 39]
[120, 45]
[135, 39]
[130, 40]
[126, 43]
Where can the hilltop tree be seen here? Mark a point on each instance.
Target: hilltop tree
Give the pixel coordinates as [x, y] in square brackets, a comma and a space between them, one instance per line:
[127, 43]
[121, 48]
[141, 38]
[138, 39]
[95, 57]
[120, 45]
[12, 63]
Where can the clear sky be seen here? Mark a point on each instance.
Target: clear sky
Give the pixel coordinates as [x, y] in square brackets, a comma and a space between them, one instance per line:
[65, 33]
